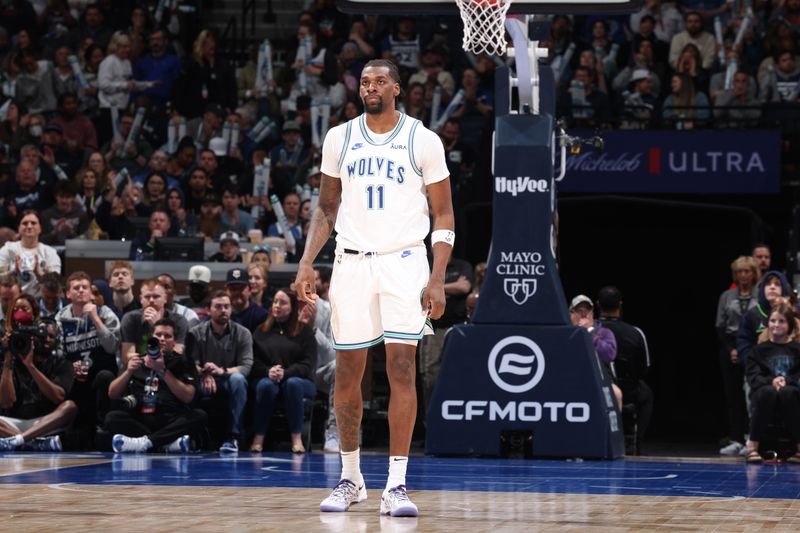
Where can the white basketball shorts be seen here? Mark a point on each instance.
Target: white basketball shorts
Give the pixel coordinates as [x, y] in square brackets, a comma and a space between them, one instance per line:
[378, 297]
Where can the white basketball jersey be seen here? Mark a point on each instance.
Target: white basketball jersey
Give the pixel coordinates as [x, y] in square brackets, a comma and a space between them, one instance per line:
[384, 203]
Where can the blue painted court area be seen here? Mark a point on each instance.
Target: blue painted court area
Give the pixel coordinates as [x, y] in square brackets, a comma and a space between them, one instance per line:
[623, 477]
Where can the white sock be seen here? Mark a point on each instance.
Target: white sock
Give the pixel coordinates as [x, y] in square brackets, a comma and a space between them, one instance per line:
[397, 471]
[351, 466]
[17, 440]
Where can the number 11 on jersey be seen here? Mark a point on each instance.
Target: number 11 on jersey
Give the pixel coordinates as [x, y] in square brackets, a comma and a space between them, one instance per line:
[374, 191]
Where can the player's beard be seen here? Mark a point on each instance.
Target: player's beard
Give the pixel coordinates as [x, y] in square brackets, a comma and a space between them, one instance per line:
[374, 109]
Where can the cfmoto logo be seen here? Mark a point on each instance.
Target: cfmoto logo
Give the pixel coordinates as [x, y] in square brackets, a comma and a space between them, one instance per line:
[523, 358]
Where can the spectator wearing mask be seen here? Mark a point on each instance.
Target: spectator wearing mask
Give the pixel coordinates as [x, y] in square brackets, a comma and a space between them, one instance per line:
[34, 387]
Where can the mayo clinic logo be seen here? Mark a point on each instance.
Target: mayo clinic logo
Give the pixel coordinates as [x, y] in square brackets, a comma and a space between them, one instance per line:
[516, 364]
[525, 267]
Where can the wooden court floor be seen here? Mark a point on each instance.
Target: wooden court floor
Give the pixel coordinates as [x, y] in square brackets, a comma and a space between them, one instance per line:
[279, 492]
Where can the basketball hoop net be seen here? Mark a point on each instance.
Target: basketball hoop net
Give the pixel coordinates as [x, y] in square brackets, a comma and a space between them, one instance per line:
[484, 25]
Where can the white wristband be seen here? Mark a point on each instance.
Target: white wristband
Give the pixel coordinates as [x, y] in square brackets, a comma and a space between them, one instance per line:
[443, 235]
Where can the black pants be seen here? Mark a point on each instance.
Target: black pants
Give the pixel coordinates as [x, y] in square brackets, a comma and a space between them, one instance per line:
[640, 394]
[162, 427]
[767, 402]
[92, 400]
[733, 383]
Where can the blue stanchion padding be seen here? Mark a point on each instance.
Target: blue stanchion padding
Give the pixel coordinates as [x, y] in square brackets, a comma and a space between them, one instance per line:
[542, 379]
[522, 285]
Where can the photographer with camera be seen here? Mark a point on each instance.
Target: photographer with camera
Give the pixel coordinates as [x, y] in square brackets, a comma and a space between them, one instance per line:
[34, 383]
[91, 338]
[28, 257]
[137, 326]
[158, 388]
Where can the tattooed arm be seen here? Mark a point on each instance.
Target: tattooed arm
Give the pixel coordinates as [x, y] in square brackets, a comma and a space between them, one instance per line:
[322, 222]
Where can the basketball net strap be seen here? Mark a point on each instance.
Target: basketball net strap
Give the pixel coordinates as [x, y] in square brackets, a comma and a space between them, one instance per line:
[484, 25]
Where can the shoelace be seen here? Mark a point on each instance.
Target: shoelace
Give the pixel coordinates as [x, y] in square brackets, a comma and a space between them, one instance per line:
[342, 489]
[399, 492]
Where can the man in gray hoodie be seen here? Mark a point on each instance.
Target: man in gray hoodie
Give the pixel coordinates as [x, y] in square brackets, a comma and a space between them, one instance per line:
[91, 339]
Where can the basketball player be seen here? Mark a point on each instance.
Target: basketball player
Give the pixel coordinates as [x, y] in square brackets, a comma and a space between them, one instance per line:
[376, 171]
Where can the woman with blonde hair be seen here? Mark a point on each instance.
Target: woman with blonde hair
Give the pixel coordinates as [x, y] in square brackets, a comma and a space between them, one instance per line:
[732, 306]
[207, 79]
[116, 83]
[773, 371]
[260, 292]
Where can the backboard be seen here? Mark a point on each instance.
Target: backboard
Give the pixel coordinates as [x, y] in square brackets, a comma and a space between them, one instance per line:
[518, 7]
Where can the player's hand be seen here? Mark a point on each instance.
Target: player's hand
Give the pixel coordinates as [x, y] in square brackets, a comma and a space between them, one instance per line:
[306, 286]
[433, 300]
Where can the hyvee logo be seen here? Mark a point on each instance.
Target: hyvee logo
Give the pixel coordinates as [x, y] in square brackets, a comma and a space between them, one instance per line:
[518, 264]
[516, 364]
[521, 184]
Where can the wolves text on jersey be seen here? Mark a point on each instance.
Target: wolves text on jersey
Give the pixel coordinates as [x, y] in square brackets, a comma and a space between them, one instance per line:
[376, 166]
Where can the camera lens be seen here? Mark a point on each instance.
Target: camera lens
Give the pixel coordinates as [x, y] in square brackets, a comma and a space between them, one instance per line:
[153, 348]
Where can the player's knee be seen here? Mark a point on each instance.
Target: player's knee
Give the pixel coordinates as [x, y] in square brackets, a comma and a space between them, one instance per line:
[402, 371]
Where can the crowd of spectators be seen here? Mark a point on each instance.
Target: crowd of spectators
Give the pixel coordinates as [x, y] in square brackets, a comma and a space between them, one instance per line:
[679, 65]
[757, 324]
[114, 112]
